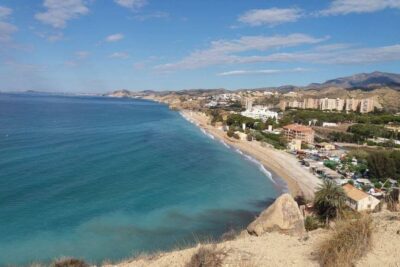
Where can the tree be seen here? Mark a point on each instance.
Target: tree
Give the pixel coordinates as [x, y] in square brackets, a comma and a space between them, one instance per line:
[329, 200]
[382, 165]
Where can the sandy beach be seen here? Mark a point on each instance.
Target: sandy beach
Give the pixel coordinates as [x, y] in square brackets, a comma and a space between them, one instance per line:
[299, 180]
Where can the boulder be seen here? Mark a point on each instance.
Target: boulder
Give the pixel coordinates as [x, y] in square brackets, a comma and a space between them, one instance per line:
[282, 216]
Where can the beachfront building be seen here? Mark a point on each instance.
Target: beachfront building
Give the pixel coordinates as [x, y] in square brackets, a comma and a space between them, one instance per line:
[259, 113]
[299, 132]
[358, 200]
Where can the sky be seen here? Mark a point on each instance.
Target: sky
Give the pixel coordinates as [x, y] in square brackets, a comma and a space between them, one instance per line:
[96, 46]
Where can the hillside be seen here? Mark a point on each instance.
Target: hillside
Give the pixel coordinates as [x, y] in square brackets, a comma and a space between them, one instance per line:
[275, 249]
[365, 81]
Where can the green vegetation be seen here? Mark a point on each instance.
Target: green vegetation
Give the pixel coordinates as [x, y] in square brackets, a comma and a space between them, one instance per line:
[331, 164]
[365, 131]
[329, 200]
[311, 223]
[384, 164]
[235, 121]
[350, 240]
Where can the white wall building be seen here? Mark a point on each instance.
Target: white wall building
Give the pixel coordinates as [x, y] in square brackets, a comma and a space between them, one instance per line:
[260, 113]
[359, 200]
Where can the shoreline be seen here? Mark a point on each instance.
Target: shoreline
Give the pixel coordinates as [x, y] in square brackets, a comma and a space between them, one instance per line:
[278, 163]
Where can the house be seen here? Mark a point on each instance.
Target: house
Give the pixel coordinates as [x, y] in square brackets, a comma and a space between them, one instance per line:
[297, 131]
[358, 200]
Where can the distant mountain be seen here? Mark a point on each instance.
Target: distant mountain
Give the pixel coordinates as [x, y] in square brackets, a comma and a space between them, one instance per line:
[365, 81]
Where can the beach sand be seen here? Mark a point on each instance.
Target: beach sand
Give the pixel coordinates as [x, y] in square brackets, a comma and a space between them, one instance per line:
[298, 179]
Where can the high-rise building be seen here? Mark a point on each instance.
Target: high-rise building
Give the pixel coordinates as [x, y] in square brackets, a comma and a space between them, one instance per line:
[366, 105]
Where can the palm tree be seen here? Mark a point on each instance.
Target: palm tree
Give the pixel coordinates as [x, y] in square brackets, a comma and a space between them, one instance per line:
[329, 200]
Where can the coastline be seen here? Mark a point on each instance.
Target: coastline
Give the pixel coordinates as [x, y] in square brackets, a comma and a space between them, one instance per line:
[298, 180]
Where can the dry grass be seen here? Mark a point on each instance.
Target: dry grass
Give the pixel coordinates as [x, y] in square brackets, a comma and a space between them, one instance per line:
[69, 262]
[349, 242]
[208, 256]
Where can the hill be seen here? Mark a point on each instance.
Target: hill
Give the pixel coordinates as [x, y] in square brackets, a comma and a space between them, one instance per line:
[364, 81]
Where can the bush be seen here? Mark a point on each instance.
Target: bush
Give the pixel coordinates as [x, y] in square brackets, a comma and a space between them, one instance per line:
[206, 257]
[236, 136]
[70, 262]
[349, 242]
[230, 133]
[311, 223]
[249, 137]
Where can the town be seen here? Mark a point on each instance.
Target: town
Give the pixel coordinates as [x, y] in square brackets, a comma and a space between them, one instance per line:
[339, 139]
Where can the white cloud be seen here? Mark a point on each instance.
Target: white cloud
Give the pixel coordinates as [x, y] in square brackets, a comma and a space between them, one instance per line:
[154, 15]
[119, 55]
[82, 54]
[60, 11]
[260, 72]
[132, 4]
[225, 51]
[115, 37]
[79, 57]
[6, 29]
[5, 12]
[362, 55]
[271, 17]
[343, 7]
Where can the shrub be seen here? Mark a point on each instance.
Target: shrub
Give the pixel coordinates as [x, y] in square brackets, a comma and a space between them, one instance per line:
[230, 133]
[311, 223]
[349, 242]
[206, 257]
[70, 262]
[249, 137]
[236, 136]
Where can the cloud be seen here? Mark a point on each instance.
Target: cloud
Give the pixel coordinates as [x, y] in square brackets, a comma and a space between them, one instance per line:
[154, 15]
[115, 37]
[225, 51]
[271, 17]
[5, 12]
[132, 4]
[343, 7]
[361, 55]
[82, 54]
[119, 55]
[60, 11]
[260, 72]
[6, 29]
[79, 57]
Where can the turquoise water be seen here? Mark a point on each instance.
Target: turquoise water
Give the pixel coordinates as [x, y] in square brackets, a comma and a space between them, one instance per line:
[102, 178]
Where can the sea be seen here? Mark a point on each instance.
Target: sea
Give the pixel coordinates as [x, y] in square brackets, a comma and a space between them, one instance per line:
[105, 179]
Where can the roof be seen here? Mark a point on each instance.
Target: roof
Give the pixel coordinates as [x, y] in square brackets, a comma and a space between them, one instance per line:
[298, 128]
[354, 193]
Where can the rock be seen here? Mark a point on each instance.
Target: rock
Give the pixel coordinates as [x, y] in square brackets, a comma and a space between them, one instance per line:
[282, 216]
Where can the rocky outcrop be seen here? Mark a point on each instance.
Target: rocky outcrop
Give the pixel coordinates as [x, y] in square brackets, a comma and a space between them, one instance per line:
[282, 216]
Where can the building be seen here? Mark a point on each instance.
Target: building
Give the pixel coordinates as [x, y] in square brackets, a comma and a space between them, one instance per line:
[311, 103]
[358, 200]
[366, 105]
[260, 113]
[294, 145]
[300, 132]
[352, 104]
[349, 105]
[331, 104]
[248, 103]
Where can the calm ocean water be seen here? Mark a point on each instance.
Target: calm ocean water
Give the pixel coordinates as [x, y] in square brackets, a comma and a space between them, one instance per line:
[102, 178]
